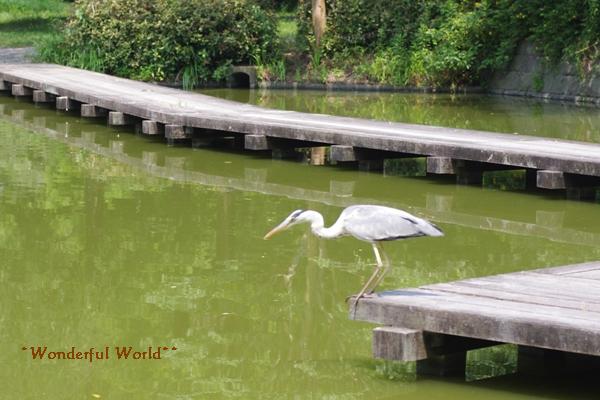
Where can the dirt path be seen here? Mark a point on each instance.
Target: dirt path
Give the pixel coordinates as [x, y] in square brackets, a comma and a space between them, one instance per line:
[16, 55]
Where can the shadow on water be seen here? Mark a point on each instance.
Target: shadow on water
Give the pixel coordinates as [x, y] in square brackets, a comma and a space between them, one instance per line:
[116, 239]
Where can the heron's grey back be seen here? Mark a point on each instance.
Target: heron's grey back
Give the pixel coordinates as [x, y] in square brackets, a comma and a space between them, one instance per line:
[373, 223]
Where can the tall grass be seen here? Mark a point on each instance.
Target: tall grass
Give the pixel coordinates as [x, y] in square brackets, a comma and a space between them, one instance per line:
[28, 22]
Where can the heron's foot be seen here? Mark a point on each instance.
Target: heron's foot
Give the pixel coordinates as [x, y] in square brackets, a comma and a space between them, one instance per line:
[360, 296]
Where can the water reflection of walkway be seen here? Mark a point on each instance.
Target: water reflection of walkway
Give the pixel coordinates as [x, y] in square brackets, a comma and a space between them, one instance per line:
[259, 177]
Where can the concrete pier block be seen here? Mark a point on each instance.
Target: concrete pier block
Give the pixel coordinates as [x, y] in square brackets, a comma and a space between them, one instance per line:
[400, 344]
[341, 153]
[551, 179]
[152, 128]
[256, 142]
[64, 103]
[20, 90]
[118, 118]
[39, 96]
[92, 111]
[441, 166]
[178, 132]
[5, 86]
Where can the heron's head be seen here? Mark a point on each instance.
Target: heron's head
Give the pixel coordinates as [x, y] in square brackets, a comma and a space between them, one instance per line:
[294, 218]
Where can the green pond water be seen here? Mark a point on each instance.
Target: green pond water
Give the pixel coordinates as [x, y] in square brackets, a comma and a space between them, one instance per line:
[479, 112]
[112, 239]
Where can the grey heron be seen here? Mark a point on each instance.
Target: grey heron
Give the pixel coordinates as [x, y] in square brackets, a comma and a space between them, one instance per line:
[369, 223]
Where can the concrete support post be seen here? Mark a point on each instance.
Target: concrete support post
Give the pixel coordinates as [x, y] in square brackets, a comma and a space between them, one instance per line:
[117, 118]
[256, 142]
[178, 132]
[152, 128]
[39, 96]
[92, 111]
[19, 90]
[64, 103]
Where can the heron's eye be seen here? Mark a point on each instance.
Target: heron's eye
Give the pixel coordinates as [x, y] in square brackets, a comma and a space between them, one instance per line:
[296, 214]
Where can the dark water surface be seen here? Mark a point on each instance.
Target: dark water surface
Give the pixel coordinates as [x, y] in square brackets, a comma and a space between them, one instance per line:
[112, 239]
[474, 111]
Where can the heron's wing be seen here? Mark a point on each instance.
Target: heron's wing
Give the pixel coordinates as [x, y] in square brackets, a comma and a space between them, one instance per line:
[375, 223]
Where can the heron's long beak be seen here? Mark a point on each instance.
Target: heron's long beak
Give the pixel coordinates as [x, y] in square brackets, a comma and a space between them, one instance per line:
[282, 226]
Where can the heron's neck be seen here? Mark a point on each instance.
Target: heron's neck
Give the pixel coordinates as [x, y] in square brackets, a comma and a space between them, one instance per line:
[317, 226]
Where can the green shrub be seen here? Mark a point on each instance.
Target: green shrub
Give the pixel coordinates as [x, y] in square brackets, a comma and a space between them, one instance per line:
[452, 42]
[192, 41]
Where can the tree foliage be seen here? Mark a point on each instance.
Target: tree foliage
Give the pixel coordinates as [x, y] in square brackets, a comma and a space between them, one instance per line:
[449, 42]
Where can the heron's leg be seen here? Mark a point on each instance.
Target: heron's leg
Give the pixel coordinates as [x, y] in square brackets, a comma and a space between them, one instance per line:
[377, 269]
[386, 268]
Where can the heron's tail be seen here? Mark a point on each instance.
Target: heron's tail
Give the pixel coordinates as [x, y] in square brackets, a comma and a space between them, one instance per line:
[430, 229]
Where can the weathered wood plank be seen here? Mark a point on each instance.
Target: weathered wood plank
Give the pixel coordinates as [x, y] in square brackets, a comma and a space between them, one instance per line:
[570, 269]
[574, 289]
[519, 293]
[40, 96]
[171, 106]
[592, 274]
[490, 319]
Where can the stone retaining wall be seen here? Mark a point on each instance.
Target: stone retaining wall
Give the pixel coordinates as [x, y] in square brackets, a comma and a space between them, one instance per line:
[528, 76]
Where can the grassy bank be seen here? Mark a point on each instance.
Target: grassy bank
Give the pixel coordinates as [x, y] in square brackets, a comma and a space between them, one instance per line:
[29, 22]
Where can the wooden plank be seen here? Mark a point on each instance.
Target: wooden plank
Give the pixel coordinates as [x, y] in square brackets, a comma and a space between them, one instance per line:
[92, 111]
[570, 269]
[39, 96]
[171, 106]
[567, 284]
[519, 293]
[593, 274]
[470, 316]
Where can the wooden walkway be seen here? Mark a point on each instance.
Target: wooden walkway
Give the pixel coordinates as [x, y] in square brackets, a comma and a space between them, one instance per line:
[176, 114]
[533, 223]
[556, 309]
